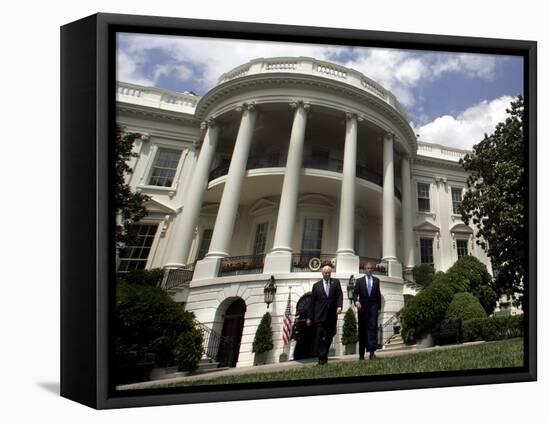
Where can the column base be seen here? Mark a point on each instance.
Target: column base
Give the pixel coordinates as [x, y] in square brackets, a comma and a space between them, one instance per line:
[347, 263]
[395, 269]
[278, 262]
[207, 268]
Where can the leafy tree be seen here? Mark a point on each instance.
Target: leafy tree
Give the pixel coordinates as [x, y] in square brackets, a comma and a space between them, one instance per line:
[263, 341]
[495, 199]
[129, 206]
[349, 330]
[487, 297]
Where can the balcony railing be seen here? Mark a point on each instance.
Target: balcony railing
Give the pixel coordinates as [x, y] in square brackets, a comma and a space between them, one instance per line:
[381, 267]
[301, 262]
[241, 265]
[389, 328]
[178, 276]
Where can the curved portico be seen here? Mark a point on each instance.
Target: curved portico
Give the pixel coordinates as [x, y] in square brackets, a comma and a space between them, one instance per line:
[368, 132]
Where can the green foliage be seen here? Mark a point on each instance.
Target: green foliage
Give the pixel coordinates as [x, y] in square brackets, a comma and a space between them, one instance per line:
[129, 206]
[423, 274]
[471, 269]
[424, 311]
[263, 341]
[349, 330]
[188, 350]
[151, 277]
[147, 319]
[493, 328]
[464, 306]
[487, 297]
[496, 196]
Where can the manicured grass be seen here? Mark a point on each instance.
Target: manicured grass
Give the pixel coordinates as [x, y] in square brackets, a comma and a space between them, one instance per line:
[499, 354]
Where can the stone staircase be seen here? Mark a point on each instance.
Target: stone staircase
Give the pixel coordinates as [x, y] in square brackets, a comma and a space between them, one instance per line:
[396, 343]
[207, 365]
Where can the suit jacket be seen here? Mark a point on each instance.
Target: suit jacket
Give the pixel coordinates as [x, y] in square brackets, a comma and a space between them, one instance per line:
[323, 308]
[361, 293]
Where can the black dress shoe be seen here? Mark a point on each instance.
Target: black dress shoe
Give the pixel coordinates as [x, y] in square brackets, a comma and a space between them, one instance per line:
[362, 358]
[371, 355]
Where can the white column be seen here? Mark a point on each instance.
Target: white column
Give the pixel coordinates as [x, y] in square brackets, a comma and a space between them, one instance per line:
[347, 261]
[182, 234]
[388, 209]
[280, 257]
[406, 212]
[227, 212]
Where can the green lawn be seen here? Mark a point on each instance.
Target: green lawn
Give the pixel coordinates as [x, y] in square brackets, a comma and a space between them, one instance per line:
[499, 354]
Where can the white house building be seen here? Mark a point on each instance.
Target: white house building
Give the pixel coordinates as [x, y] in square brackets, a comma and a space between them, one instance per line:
[285, 160]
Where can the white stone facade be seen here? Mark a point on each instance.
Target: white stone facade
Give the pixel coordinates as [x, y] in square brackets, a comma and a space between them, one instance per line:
[277, 146]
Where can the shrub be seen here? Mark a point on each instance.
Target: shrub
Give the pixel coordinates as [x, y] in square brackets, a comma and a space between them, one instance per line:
[464, 306]
[423, 312]
[423, 274]
[263, 341]
[188, 350]
[493, 328]
[146, 318]
[487, 297]
[151, 277]
[349, 330]
[474, 271]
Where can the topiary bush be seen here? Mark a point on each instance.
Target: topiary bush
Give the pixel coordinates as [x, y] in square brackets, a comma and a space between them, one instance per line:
[188, 350]
[464, 306]
[263, 341]
[471, 269]
[424, 311]
[423, 274]
[349, 330]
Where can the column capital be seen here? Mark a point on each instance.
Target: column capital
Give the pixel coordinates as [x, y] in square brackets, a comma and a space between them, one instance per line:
[350, 116]
[294, 104]
[246, 107]
[208, 123]
[145, 137]
[388, 136]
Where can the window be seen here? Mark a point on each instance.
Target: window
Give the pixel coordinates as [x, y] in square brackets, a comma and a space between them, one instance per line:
[462, 247]
[313, 235]
[423, 197]
[135, 256]
[164, 169]
[261, 237]
[456, 195]
[205, 243]
[427, 251]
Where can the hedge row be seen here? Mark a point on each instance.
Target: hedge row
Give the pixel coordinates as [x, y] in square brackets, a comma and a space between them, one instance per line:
[481, 329]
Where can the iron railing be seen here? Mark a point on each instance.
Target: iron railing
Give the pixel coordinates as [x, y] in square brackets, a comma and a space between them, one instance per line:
[279, 160]
[300, 262]
[242, 265]
[211, 341]
[381, 267]
[389, 328]
[178, 276]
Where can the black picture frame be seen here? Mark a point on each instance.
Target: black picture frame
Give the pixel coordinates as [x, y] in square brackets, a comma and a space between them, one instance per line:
[87, 272]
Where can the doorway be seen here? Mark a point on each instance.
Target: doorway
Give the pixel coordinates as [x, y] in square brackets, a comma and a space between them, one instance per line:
[232, 331]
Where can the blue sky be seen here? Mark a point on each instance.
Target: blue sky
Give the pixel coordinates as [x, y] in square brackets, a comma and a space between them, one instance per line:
[451, 98]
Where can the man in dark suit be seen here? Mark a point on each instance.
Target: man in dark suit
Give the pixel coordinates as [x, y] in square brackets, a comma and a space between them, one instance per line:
[326, 305]
[368, 301]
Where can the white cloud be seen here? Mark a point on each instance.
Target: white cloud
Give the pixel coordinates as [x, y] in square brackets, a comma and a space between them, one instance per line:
[469, 127]
[129, 70]
[471, 65]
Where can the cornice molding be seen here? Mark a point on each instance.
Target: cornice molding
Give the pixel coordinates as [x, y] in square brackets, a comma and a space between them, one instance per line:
[208, 103]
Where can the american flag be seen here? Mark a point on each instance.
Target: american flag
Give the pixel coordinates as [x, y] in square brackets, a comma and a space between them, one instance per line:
[287, 323]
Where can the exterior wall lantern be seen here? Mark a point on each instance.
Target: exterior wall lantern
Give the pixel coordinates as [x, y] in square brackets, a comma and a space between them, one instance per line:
[351, 287]
[270, 289]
